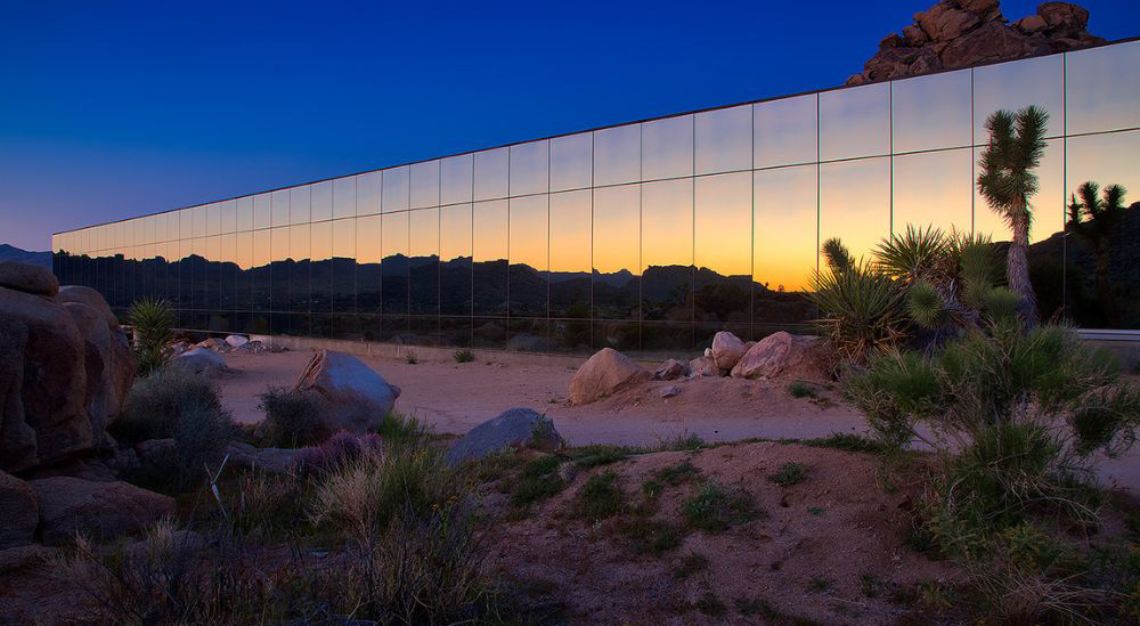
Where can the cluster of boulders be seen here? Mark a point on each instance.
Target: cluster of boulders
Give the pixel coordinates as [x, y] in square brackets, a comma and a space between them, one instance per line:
[954, 34]
[780, 354]
[66, 367]
[205, 357]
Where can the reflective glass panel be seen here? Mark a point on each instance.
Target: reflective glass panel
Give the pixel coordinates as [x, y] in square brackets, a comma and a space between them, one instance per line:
[617, 244]
[198, 215]
[570, 254]
[724, 140]
[528, 256]
[1103, 87]
[785, 228]
[617, 155]
[931, 112]
[425, 184]
[855, 122]
[530, 168]
[424, 261]
[299, 199]
[344, 197]
[722, 236]
[1016, 85]
[368, 193]
[667, 148]
[1107, 160]
[491, 169]
[933, 189]
[784, 131]
[262, 212]
[455, 259]
[280, 266]
[571, 162]
[667, 250]
[228, 219]
[244, 217]
[299, 242]
[490, 250]
[279, 201]
[396, 188]
[455, 179]
[394, 266]
[368, 255]
[855, 203]
[344, 266]
[320, 201]
[1047, 205]
[320, 288]
[213, 222]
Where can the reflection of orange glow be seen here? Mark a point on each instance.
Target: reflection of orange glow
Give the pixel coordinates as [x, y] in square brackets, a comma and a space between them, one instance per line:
[299, 242]
[424, 240]
[855, 203]
[1106, 159]
[344, 239]
[785, 226]
[529, 232]
[617, 228]
[667, 223]
[570, 231]
[933, 188]
[243, 255]
[279, 244]
[490, 231]
[320, 241]
[723, 235]
[394, 234]
[368, 239]
[455, 232]
[1048, 204]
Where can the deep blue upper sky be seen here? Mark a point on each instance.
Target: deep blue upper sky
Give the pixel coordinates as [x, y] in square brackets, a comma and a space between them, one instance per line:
[116, 109]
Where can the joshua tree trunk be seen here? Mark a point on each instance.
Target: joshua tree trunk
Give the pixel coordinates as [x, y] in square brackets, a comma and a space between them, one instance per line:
[1103, 284]
[1017, 266]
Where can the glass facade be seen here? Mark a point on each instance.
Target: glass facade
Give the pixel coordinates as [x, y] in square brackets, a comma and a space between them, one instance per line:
[645, 236]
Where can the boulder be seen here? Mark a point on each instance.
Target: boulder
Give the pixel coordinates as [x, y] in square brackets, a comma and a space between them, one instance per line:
[200, 361]
[354, 396]
[727, 349]
[1064, 16]
[671, 369]
[236, 341]
[605, 373]
[86, 295]
[775, 355]
[27, 278]
[514, 428]
[19, 512]
[17, 438]
[943, 22]
[703, 366]
[54, 385]
[12, 559]
[109, 362]
[215, 344]
[670, 391]
[272, 460]
[98, 509]
[992, 42]
[1031, 23]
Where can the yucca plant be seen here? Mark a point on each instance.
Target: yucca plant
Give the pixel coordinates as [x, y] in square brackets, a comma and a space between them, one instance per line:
[152, 320]
[1094, 219]
[1007, 182]
[917, 254]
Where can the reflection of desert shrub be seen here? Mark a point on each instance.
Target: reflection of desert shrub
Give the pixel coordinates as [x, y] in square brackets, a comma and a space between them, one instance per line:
[292, 419]
[156, 402]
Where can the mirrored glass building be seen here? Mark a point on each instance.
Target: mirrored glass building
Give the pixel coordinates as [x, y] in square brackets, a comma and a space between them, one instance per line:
[644, 236]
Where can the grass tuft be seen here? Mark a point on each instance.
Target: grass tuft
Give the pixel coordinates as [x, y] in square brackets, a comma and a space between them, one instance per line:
[789, 474]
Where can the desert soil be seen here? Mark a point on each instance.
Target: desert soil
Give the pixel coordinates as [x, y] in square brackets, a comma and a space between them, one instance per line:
[453, 398]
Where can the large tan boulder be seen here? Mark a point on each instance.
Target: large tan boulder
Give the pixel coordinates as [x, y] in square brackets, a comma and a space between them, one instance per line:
[19, 512]
[102, 510]
[27, 278]
[353, 396]
[777, 355]
[85, 295]
[605, 373]
[727, 349]
[54, 384]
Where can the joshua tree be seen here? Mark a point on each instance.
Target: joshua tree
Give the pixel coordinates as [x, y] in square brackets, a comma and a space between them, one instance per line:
[1007, 182]
[1093, 220]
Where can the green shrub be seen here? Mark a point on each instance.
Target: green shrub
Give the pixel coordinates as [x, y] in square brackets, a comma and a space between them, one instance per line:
[397, 427]
[538, 481]
[599, 498]
[463, 356]
[650, 536]
[410, 358]
[155, 403]
[292, 419]
[588, 457]
[789, 474]
[152, 320]
[715, 508]
[861, 310]
[692, 563]
[800, 389]
[678, 474]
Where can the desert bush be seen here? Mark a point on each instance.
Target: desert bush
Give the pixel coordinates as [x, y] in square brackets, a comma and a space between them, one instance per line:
[599, 498]
[396, 427]
[155, 404]
[463, 356]
[789, 474]
[861, 309]
[538, 480]
[152, 320]
[292, 419]
[714, 508]
[800, 389]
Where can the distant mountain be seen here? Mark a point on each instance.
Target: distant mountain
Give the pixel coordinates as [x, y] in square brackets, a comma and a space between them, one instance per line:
[12, 253]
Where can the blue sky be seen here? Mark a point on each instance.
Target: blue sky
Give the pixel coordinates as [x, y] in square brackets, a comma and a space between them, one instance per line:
[111, 110]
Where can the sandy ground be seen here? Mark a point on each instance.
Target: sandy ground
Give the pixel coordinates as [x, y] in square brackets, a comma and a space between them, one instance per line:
[453, 398]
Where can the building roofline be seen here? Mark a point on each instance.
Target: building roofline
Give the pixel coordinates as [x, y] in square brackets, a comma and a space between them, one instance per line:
[595, 129]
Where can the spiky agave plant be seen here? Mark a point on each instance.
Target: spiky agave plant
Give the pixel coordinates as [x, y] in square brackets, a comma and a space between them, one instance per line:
[152, 319]
[1007, 182]
[916, 254]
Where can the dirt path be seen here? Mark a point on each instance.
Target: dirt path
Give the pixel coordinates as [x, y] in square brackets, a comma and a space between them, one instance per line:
[453, 398]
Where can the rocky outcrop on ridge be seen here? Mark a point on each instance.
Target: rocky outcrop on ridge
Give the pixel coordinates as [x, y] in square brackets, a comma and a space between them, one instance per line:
[961, 33]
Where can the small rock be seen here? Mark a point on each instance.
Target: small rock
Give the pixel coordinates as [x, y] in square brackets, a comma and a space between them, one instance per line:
[514, 428]
[605, 373]
[200, 360]
[236, 341]
[670, 391]
[98, 509]
[703, 366]
[215, 344]
[272, 460]
[671, 369]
